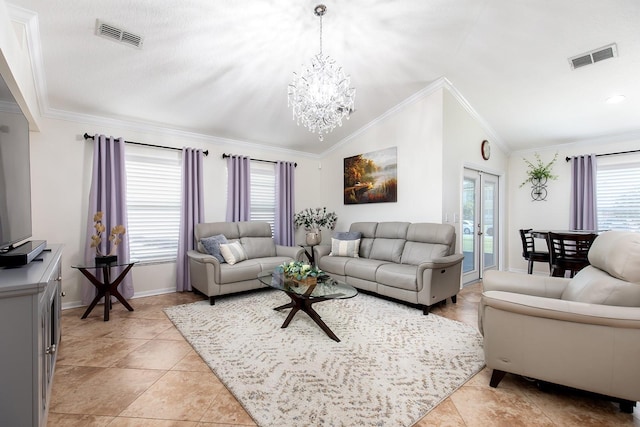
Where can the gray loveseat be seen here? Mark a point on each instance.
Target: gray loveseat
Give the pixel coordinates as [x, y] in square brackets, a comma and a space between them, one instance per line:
[213, 278]
[415, 263]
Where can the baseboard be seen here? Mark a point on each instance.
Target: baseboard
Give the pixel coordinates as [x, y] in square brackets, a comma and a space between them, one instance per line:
[76, 304]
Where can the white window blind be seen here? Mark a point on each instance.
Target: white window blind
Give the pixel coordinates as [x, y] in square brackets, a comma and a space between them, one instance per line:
[618, 197]
[263, 192]
[153, 203]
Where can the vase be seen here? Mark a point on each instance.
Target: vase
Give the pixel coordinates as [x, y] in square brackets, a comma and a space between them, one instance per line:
[106, 259]
[314, 237]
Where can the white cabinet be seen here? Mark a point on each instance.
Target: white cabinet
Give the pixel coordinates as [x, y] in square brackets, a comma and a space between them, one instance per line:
[30, 308]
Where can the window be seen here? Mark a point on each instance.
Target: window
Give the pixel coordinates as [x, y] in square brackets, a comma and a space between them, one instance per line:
[263, 192]
[618, 197]
[153, 203]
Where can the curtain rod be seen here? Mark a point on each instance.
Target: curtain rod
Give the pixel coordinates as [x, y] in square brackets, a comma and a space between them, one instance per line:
[610, 154]
[225, 155]
[205, 152]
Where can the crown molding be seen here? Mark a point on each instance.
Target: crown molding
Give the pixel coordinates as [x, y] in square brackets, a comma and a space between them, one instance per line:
[31, 25]
[440, 83]
[144, 127]
[582, 143]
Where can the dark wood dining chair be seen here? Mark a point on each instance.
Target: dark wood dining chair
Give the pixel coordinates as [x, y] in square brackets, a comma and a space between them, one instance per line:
[568, 252]
[529, 250]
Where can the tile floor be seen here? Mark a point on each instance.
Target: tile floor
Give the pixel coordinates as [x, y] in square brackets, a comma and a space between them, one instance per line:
[137, 370]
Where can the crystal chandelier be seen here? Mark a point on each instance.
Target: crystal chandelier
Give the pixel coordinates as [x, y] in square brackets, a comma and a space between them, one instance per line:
[320, 95]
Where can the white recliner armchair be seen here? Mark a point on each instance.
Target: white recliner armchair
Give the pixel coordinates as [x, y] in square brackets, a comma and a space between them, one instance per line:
[582, 332]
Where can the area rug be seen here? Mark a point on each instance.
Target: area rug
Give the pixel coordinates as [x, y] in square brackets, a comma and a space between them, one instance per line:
[392, 366]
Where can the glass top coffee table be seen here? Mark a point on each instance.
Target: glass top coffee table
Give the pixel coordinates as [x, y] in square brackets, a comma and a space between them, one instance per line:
[303, 296]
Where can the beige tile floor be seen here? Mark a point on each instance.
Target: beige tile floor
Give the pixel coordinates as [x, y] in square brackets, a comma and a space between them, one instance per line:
[137, 370]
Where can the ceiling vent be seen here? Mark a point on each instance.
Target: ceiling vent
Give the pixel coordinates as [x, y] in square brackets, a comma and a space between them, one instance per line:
[114, 33]
[594, 56]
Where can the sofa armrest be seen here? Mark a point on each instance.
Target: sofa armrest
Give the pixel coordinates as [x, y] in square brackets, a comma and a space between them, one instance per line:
[562, 310]
[294, 252]
[321, 250]
[528, 284]
[442, 262]
[204, 258]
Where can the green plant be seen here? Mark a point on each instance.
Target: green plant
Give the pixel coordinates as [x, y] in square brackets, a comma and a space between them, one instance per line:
[299, 270]
[315, 218]
[539, 171]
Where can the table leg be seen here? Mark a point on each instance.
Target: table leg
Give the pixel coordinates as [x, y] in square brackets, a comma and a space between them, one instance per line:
[304, 304]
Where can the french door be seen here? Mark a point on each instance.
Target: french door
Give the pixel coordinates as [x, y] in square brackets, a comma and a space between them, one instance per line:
[479, 227]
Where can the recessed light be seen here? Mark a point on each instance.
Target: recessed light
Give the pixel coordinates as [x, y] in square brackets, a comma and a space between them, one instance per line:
[615, 99]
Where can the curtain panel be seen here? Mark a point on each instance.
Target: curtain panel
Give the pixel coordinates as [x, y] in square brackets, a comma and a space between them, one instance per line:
[192, 212]
[583, 208]
[284, 233]
[108, 194]
[238, 188]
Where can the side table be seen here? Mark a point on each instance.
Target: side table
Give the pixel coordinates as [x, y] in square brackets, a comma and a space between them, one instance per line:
[309, 253]
[106, 288]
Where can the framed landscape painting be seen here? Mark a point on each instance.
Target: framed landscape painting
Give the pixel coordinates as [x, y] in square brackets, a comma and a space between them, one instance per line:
[371, 177]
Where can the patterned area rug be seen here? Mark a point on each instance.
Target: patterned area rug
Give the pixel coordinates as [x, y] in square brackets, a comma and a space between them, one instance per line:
[392, 367]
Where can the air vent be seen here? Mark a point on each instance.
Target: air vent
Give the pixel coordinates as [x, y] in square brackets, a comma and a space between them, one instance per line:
[594, 56]
[114, 33]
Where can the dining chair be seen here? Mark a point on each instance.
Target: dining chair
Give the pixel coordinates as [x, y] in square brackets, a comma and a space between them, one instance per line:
[568, 252]
[529, 250]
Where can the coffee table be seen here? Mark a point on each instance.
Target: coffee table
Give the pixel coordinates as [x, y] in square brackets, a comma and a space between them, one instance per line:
[304, 296]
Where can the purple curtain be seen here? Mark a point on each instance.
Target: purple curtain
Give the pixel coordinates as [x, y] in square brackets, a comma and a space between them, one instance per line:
[238, 188]
[285, 201]
[583, 193]
[192, 212]
[108, 194]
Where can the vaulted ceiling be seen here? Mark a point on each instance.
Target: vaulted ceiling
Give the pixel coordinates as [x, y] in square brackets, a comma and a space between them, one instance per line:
[221, 68]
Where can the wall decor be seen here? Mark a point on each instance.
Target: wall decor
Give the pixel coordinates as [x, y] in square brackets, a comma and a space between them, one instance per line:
[537, 175]
[371, 177]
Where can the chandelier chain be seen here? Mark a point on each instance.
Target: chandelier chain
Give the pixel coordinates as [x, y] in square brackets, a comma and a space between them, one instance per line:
[320, 34]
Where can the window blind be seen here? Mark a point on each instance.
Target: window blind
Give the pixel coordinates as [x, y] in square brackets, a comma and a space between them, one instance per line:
[618, 197]
[153, 203]
[263, 192]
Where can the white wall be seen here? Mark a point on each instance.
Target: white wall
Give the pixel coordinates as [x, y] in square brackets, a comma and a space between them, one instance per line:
[553, 213]
[416, 131]
[60, 174]
[463, 136]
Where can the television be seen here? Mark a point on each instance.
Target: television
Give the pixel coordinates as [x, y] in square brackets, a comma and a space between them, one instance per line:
[15, 176]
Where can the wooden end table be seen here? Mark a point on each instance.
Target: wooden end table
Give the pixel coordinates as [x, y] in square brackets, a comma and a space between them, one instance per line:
[105, 287]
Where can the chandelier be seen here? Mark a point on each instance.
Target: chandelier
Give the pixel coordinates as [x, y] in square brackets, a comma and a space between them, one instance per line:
[320, 95]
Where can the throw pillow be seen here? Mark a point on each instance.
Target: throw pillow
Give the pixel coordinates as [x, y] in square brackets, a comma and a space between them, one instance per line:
[347, 235]
[348, 248]
[212, 245]
[233, 252]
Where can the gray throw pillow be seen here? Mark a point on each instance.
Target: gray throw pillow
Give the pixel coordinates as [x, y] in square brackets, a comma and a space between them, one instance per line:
[348, 248]
[347, 235]
[212, 245]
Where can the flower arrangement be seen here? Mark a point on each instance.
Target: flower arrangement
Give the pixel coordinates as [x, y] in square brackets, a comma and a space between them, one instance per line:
[315, 218]
[299, 270]
[539, 171]
[115, 237]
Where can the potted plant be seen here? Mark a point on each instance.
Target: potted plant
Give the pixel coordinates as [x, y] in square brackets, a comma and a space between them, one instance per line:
[539, 172]
[537, 175]
[300, 272]
[115, 238]
[312, 220]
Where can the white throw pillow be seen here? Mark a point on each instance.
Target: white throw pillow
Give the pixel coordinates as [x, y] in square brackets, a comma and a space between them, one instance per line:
[233, 252]
[348, 248]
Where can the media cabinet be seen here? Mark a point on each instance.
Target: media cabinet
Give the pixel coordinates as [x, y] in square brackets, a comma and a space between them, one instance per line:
[30, 310]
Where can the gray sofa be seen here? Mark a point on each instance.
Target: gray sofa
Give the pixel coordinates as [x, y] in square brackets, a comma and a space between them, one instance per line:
[212, 277]
[415, 263]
